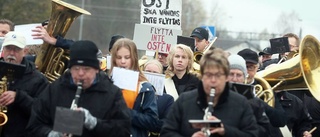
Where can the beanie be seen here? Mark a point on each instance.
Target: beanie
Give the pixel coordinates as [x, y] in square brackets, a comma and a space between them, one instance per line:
[84, 53]
[113, 40]
[237, 62]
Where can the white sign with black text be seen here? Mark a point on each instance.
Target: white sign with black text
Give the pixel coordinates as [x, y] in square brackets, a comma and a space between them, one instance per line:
[151, 38]
[166, 13]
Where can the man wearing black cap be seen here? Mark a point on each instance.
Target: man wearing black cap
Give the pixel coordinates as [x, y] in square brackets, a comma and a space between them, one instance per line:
[101, 102]
[201, 36]
[266, 54]
[252, 62]
[266, 60]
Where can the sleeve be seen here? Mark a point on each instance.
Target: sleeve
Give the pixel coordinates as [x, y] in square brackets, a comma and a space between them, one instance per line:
[40, 123]
[63, 43]
[119, 123]
[261, 117]
[303, 122]
[147, 115]
[25, 99]
[277, 115]
[171, 125]
[164, 104]
[248, 124]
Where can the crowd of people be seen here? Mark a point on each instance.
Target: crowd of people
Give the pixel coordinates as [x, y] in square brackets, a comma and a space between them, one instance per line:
[31, 102]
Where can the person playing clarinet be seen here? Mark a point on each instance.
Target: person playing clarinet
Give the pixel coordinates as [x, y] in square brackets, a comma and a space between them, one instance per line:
[231, 108]
[101, 102]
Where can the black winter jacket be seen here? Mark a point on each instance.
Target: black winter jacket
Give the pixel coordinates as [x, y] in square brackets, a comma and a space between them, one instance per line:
[27, 89]
[103, 100]
[232, 109]
[299, 119]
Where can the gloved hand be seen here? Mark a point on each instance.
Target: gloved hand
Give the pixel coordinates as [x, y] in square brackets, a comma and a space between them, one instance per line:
[90, 121]
[55, 134]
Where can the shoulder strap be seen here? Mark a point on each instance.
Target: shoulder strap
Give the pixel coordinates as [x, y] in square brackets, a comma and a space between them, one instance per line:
[171, 88]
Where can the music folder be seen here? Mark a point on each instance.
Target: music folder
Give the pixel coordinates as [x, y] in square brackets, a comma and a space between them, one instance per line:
[189, 41]
[10, 70]
[279, 45]
[68, 121]
[243, 89]
[212, 123]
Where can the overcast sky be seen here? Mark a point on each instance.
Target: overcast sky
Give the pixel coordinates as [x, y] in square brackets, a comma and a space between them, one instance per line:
[255, 15]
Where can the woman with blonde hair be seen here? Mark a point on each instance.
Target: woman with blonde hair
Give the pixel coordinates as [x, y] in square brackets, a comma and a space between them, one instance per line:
[179, 76]
[142, 102]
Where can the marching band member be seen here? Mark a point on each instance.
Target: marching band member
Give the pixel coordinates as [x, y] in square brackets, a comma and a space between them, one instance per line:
[237, 119]
[21, 91]
[238, 74]
[59, 41]
[101, 102]
[5, 27]
[162, 58]
[164, 102]
[277, 115]
[299, 119]
[201, 36]
[178, 74]
[142, 102]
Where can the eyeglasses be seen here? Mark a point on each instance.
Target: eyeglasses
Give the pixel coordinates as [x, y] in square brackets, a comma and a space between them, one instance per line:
[236, 75]
[215, 75]
[162, 55]
[251, 67]
[12, 48]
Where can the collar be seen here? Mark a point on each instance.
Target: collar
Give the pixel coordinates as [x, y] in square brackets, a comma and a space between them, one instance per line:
[202, 97]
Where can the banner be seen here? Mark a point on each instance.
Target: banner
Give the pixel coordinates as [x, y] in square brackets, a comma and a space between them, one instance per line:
[166, 13]
[151, 38]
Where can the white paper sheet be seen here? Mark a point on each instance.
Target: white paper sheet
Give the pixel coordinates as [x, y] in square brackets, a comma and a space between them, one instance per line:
[26, 31]
[125, 79]
[157, 80]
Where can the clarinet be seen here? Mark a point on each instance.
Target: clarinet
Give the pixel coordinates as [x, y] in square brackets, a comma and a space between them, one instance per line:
[75, 101]
[208, 112]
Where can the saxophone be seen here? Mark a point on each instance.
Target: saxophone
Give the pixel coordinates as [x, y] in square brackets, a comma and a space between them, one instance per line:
[3, 109]
[208, 112]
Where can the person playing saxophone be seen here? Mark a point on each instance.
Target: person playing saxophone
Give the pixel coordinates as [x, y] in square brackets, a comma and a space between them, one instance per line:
[21, 91]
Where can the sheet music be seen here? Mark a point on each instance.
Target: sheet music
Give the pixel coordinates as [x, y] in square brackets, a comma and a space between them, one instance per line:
[125, 79]
[26, 31]
[157, 80]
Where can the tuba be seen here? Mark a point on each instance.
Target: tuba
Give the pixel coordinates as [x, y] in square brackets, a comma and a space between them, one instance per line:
[300, 72]
[52, 60]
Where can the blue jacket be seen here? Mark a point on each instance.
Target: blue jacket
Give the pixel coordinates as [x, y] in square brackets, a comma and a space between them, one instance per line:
[145, 112]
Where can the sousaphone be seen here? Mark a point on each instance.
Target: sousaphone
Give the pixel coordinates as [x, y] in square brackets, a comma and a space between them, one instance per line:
[300, 72]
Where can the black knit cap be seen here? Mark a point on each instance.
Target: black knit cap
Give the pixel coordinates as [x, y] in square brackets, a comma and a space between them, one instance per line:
[84, 53]
[113, 40]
